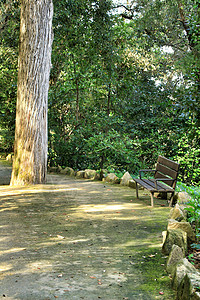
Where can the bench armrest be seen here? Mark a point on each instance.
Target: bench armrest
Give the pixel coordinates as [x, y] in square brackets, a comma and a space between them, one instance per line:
[145, 170]
[161, 179]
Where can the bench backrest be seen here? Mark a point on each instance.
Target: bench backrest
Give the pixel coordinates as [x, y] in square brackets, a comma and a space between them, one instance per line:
[167, 168]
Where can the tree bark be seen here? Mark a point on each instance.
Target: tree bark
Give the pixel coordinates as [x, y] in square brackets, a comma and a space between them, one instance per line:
[30, 149]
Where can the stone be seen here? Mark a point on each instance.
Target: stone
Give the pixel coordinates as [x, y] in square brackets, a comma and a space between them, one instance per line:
[59, 169]
[195, 281]
[112, 178]
[53, 169]
[132, 184]
[125, 179]
[177, 213]
[183, 267]
[174, 237]
[80, 174]
[183, 197]
[90, 174]
[175, 256]
[185, 226]
[184, 290]
[188, 287]
[68, 171]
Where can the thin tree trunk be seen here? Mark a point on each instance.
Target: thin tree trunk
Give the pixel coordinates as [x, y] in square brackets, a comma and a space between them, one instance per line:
[30, 149]
[77, 89]
[109, 99]
[77, 100]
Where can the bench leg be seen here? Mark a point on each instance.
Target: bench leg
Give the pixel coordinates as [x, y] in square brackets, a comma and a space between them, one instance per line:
[152, 199]
[137, 197]
[171, 199]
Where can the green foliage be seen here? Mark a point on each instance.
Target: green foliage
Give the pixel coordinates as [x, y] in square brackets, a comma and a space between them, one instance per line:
[9, 28]
[193, 209]
[121, 92]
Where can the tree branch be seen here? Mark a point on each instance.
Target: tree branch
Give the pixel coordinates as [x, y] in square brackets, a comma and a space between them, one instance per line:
[185, 25]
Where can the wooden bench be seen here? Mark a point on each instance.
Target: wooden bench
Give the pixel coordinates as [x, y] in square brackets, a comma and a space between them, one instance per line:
[164, 179]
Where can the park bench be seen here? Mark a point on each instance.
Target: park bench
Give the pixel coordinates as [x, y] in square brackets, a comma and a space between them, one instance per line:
[164, 179]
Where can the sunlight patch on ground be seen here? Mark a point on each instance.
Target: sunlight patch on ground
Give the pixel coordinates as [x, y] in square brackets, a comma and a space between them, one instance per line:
[109, 211]
[155, 246]
[134, 243]
[105, 207]
[12, 250]
[10, 208]
[59, 238]
[35, 191]
[3, 239]
[5, 267]
[38, 266]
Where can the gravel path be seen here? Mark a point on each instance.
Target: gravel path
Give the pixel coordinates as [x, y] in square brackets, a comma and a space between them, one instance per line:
[78, 239]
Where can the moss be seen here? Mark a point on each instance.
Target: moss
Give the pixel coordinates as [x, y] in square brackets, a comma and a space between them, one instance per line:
[156, 279]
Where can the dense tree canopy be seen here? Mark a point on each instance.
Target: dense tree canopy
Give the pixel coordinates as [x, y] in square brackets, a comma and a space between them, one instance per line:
[124, 85]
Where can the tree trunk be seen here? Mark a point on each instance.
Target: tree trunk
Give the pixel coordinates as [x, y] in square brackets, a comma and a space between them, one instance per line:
[30, 149]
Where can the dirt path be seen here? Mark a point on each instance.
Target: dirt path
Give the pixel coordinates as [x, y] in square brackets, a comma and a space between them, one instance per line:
[76, 239]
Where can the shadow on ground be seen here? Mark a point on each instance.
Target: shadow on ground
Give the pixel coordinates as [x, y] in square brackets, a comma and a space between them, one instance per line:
[5, 172]
[75, 239]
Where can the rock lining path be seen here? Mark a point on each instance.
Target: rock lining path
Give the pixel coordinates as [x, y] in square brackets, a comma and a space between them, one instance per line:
[79, 239]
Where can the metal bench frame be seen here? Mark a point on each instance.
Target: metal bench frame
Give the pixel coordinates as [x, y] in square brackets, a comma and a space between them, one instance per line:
[165, 178]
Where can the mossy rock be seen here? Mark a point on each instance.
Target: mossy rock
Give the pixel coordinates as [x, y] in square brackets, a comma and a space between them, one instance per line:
[90, 174]
[174, 237]
[68, 171]
[80, 174]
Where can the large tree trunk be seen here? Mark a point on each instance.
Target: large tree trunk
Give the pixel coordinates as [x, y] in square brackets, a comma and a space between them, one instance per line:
[30, 149]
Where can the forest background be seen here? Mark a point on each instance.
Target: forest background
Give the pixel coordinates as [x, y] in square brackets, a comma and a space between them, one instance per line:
[124, 84]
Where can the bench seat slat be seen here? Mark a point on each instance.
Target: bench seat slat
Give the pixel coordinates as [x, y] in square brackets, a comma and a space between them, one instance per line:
[165, 188]
[150, 185]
